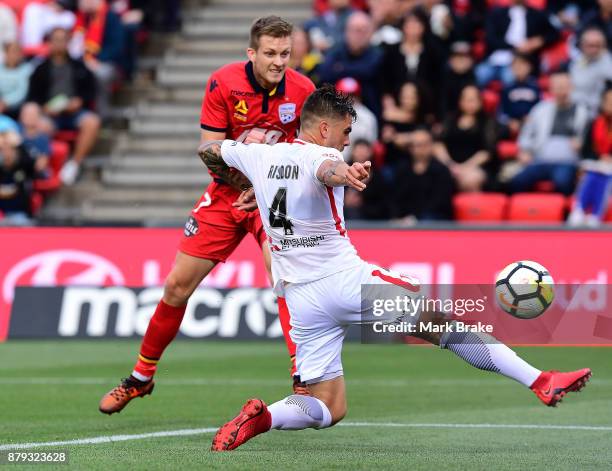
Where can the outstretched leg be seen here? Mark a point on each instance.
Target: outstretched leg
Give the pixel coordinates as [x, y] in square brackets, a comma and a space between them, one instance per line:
[487, 353]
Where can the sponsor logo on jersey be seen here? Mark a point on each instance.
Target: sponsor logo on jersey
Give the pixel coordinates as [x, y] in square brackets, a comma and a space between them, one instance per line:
[286, 112]
[308, 241]
[241, 93]
[191, 227]
[241, 107]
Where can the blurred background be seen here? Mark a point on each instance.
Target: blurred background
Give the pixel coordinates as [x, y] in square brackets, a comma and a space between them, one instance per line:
[488, 124]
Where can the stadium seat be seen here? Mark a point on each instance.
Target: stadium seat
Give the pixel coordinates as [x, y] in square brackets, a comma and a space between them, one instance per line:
[480, 207]
[507, 150]
[608, 217]
[379, 151]
[544, 186]
[555, 56]
[59, 155]
[66, 136]
[536, 208]
[490, 100]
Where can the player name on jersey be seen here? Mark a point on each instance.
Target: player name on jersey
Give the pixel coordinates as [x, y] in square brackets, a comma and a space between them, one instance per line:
[284, 172]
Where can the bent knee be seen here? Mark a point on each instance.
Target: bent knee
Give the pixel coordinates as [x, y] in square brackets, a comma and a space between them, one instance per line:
[176, 291]
[337, 414]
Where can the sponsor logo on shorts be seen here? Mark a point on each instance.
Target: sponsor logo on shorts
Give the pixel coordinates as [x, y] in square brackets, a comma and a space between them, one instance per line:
[191, 227]
[286, 112]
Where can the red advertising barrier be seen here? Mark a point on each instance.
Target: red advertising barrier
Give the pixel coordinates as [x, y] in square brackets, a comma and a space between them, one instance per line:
[143, 257]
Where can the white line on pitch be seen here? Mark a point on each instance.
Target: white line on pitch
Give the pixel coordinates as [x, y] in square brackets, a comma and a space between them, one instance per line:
[200, 431]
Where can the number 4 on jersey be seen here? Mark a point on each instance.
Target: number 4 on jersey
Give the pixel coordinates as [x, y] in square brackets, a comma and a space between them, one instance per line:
[278, 212]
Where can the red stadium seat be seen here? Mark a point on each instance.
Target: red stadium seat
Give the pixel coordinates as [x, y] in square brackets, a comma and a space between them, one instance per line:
[66, 136]
[490, 100]
[59, 155]
[480, 207]
[507, 150]
[545, 186]
[553, 57]
[379, 151]
[536, 208]
[608, 217]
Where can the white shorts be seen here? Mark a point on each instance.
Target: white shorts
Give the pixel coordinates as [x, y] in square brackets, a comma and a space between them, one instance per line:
[322, 310]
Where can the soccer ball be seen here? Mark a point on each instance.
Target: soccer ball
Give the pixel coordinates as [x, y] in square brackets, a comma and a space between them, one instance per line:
[524, 289]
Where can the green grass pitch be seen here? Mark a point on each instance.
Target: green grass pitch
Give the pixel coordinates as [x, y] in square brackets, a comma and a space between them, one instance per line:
[49, 391]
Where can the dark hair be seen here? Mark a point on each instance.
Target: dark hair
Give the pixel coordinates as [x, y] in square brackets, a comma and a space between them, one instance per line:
[327, 102]
[271, 25]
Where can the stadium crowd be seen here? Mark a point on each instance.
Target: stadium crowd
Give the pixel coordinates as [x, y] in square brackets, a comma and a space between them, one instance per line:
[60, 61]
[462, 103]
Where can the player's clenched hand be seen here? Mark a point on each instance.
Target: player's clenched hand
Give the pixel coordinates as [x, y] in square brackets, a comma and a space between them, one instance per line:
[357, 173]
[246, 201]
[255, 137]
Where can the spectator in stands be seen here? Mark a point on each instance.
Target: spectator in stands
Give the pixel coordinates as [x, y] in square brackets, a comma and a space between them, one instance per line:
[304, 58]
[400, 118]
[517, 28]
[423, 186]
[356, 58]
[591, 69]
[594, 190]
[17, 170]
[599, 18]
[327, 29]
[35, 140]
[8, 28]
[132, 20]
[100, 38]
[518, 97]
[14, 80]
[387, 18]
[373, 202]
[365, 128]
[466, 143]
[467, 18]
[551, 138]
[459, 74]
[65, 89]
[415, 58]
[40, 18]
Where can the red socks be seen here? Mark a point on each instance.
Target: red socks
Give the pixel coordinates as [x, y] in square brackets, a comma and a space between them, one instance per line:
[162, 329]
[284, 316]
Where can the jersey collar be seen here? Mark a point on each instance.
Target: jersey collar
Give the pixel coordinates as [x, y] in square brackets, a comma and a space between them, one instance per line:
[278, 90]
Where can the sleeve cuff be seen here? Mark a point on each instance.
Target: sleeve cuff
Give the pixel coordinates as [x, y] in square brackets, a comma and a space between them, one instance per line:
[212, 128]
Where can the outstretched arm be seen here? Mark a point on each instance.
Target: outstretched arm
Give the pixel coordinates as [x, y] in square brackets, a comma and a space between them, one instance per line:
[210, 153]
[339, 173]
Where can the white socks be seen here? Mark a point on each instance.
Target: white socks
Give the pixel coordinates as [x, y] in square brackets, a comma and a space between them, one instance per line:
[487, 353]
[299, 412]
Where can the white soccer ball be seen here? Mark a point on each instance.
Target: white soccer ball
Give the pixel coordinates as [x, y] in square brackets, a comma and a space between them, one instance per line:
[524, 289]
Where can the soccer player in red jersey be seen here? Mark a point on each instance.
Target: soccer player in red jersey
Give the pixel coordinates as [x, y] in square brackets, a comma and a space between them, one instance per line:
[254, 102]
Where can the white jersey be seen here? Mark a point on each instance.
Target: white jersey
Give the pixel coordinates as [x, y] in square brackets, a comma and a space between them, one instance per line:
[303, 218]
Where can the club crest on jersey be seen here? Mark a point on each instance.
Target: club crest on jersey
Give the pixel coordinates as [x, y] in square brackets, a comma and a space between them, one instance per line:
[241, 107]
[286, 112]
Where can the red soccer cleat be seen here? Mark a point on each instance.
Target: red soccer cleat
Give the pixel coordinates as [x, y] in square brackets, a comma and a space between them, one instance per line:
[551, 386]
[253, 419]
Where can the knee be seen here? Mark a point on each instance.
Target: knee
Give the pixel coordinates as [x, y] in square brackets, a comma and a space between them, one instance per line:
[91, 121]
[337, 413]
[176, 291]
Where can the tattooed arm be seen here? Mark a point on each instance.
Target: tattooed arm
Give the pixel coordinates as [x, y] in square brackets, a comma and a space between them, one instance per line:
[339, 173]
[210, 153]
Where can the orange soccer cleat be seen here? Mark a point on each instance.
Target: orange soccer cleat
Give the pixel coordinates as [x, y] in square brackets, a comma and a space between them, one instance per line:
[253, 419]
[551, 386]
[119, 397]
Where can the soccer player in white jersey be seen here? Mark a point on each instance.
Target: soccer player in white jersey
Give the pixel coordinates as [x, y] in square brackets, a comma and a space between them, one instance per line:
[299, 189]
